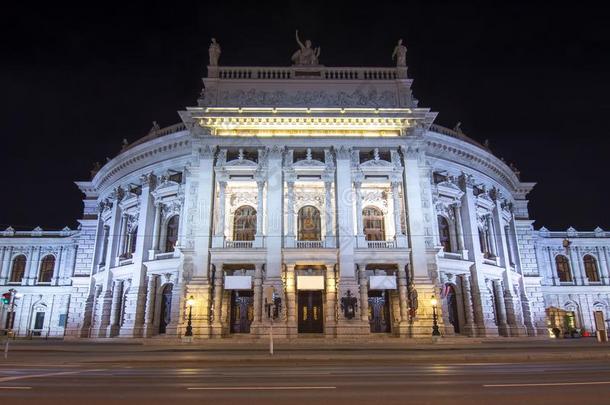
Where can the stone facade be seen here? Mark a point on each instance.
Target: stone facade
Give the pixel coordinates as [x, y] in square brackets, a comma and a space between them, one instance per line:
[329, 186]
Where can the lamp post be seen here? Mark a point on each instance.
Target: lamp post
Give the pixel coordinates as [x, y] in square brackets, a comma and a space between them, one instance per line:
[189, 329]
[435, 331]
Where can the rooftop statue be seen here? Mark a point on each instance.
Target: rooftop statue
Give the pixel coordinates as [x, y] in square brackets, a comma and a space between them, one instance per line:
[400, 53]
[214, 52]
[306, 55]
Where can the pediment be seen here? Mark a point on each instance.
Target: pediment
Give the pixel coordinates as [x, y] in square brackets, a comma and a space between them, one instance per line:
[449, 189]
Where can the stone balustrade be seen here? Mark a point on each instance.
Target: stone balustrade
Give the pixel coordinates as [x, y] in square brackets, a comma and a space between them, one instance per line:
[313, 72]
[309, 244]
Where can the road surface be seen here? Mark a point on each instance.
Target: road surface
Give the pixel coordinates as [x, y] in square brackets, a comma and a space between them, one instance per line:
[304, 382]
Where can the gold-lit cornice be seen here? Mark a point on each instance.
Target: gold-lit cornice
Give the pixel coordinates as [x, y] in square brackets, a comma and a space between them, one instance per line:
[356, 122]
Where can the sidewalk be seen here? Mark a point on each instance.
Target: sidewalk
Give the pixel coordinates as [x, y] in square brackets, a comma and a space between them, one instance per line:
[241, 350]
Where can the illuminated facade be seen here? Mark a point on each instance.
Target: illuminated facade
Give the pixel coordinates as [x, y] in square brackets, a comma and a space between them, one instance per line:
[329, 185]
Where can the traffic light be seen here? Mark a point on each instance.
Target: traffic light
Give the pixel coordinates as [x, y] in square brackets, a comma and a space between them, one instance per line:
[6, 298]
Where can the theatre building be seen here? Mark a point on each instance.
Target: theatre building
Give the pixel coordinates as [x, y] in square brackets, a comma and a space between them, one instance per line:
[329, 184]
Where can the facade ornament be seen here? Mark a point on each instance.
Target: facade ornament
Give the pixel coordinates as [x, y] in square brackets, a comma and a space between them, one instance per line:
[207, 151]
[458, 127]
[343, 152]
[376, 154]
[400, 54]
[155, 127]
[306, 55]
[413, 301]
[466, 181]
[308, 154]
[148, 179]
[328, 159]
[221, 158]
[95, 169]
[214, 52]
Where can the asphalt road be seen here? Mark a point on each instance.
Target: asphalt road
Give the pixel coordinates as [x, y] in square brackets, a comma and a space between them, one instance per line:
[330, 382]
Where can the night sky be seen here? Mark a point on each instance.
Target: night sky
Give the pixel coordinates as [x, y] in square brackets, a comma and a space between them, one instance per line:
[76, 80]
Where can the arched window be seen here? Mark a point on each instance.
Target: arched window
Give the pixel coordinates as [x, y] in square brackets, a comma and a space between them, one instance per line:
[244, 223]
[47, 265]
[372, 220]
[309, 226]
[18, 269]
[443, 233]
[563, 269]
[171, 234]
[591, 268]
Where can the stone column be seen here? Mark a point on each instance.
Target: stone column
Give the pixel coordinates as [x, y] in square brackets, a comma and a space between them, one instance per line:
[603, 265]
[115, 308]
[149, 313]
[220, 225]
[359, 224]
[290, 213]
[469, 327]
[330, 310]
[364, 293]
[500, 307]
[575, 267]
[156, 229]
[491, 234]
[459, 230]
[396, 203]
[291, 300]
[6, 264]
[403, 300]
[123, 236]
[258, 297]
[260, 184]
[218, 293]
[58, 266]
[552, 268]
[328, 213]
[275, 212]
[31, 275]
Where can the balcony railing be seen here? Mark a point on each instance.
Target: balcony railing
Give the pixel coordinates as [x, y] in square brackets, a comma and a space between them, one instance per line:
[309, 244]
[239, 244]
[381, 244]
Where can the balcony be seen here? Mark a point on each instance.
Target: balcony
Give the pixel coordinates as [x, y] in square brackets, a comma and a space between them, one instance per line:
[400, 241]
[380, 244]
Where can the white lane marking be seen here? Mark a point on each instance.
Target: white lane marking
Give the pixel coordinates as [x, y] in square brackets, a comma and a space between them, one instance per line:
[15, 388]
[260, 388]
[25, 377]
[548, 384]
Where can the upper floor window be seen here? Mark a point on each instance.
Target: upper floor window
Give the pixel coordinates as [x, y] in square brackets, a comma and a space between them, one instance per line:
[18, 269]
[591, 268]
[132, 237]
[443, 233]
[563, 269]
[171, 235]
[372, 220]
[309, 225]
[244, 223]
[47, 265]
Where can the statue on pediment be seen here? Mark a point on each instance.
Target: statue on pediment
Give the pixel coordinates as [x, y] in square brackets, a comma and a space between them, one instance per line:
[306, 55]
[214, 52]
[400, 54]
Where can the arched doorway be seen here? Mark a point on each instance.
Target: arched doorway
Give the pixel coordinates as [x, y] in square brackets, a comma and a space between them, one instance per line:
[452, 307]
[166, 308]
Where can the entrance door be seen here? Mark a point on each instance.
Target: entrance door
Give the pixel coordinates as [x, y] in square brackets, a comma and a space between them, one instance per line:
[453, 309]
[379, 311]
[310, 312]
[242, 311]
[166, 308]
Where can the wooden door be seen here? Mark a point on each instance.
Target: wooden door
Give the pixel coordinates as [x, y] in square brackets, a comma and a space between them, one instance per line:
[242, 311]
[166, 308]
[379, 311]
[310, 312]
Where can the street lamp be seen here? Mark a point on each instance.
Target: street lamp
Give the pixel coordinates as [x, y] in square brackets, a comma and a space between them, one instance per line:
[435, 331]
[189, 329]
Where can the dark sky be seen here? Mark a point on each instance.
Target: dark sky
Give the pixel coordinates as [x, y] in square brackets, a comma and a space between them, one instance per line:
[532, 78]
